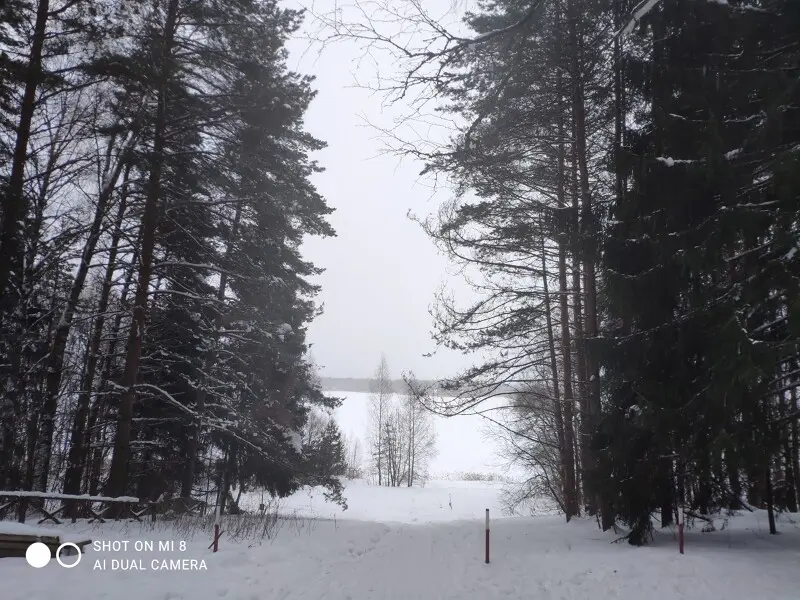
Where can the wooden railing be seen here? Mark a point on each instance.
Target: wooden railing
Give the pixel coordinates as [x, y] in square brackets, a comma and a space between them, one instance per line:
[95, 507]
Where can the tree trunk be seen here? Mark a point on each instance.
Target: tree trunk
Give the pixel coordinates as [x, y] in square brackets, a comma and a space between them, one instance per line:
[565, 410]
[755, 489]
[210, 360]
[588, 239]
[31, 432]
[559, 419]
[578, 340]
[14, 212]
[118, 477]
[787, 456]
[667, 492]
[222, 467]
[576, 452]
[14, 203]
[680, 478]
[585, 431]
[55, 360]
[568, 441]
[230, 470]
[619, 101]
[412, 414]
[100, 407]
[414, 443]
[770, 500]
[580, 377]
[795, 445]
[97, 457]
[703, 497]
[380, 435]
[735, 483]
[76, 462]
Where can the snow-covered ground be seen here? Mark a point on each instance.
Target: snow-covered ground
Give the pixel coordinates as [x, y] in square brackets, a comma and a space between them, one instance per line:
[437, 502]
[413, 543]
[408, 544]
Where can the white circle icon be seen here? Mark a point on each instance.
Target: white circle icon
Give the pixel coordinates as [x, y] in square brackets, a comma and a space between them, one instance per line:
[68, 545]
[37, 555]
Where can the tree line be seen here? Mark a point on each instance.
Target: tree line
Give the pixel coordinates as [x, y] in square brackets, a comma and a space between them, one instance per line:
[626, 182]
[154, 302]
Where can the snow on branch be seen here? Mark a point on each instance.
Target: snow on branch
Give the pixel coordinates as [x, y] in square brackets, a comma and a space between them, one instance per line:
[671, 162]
[739, 6]
[644, 7]
[639, 13]
[485, 37]
[202, 266]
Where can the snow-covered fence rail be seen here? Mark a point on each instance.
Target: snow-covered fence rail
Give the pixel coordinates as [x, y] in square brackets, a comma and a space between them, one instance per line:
[96, 507]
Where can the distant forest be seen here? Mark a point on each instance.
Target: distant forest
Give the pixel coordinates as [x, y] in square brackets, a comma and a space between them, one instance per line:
[359, 385]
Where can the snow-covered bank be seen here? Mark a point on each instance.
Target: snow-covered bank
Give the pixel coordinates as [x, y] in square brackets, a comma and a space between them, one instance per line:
[436, 502]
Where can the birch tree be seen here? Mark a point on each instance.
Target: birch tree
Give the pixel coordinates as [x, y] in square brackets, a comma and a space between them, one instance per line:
[380, 402]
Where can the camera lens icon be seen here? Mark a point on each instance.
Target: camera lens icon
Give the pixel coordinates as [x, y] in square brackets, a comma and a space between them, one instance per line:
[38, 555]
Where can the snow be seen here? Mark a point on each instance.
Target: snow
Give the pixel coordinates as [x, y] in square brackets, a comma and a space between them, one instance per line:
[54, 496]
[297, 441]
[638, 14]
[738, 6]
[283, 330]
[11, 528]
[646, 6]
[671, 162]
[412, 544]
[386, 559]
[436, 502]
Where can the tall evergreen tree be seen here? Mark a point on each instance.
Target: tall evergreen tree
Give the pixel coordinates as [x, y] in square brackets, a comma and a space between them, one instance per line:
[690, 290]
[187, 171]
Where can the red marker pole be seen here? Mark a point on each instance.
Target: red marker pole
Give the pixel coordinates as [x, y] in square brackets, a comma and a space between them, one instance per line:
[487, 536]
[216, 530]
[680, 528]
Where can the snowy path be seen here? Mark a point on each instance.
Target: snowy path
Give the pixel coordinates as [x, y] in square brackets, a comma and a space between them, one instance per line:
[542, 559]
[534, 558]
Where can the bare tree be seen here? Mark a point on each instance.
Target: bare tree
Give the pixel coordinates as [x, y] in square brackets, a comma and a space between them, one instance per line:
[354, 458]
[421, 447]
[382, 393]
[395, 444]
[315, 426]
[526, 435]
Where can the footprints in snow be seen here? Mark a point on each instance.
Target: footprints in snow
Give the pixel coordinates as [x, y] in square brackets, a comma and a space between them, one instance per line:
[357, 550]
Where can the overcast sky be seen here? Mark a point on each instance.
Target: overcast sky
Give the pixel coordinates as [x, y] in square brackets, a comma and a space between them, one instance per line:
[382, 271]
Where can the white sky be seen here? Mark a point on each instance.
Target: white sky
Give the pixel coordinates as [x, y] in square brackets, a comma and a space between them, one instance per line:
[382, 271]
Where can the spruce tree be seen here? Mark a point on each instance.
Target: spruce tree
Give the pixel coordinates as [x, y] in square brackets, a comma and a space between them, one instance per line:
[688, 384]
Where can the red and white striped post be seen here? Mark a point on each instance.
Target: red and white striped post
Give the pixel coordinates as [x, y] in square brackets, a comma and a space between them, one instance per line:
[680, 529]
[216, 530]
[487, 536]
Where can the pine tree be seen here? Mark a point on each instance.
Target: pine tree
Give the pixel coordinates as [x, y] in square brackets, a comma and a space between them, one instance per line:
[193, 171]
